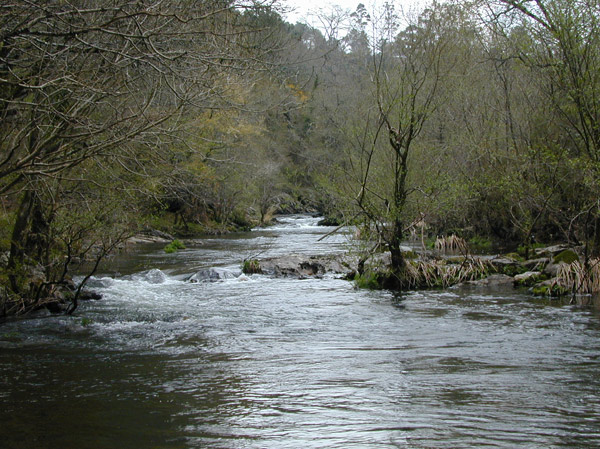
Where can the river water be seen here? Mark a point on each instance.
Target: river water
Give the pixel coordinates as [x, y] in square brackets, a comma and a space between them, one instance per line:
[285, 363]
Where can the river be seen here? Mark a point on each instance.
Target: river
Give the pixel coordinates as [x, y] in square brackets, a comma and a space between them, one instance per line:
[286, 363]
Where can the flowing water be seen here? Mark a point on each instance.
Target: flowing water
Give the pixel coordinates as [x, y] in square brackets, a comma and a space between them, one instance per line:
[286, 363]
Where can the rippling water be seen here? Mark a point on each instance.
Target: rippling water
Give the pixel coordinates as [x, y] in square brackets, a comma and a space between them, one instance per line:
[283, 363]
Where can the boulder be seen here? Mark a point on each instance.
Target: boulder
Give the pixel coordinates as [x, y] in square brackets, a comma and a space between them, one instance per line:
[527, 279]
[534, 264]
[551, 251]
[304, 266]
[213, 274]
[552, 269]
[154, 276]
[87, 295]
[493, 280]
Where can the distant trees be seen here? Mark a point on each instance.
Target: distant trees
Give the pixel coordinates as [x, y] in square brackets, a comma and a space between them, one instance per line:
[479, 118]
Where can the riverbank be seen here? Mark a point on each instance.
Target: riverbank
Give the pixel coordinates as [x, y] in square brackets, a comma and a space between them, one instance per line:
[552, 272]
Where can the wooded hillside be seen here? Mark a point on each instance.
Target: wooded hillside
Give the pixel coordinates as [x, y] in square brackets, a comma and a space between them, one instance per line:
[479, 118]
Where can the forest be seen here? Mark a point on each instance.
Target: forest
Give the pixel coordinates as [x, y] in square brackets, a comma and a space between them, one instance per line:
[479, 119]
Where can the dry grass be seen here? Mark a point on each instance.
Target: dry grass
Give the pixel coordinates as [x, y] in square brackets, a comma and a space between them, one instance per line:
[438, 273]
[580, 277]
[451, 244]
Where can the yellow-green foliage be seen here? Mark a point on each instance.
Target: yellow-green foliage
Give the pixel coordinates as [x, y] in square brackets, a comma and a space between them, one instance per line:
[174, 246]
[567, 256]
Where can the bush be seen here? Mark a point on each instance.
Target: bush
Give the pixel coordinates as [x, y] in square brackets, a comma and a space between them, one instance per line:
[368, 280]
[174, 246]
[251, 266]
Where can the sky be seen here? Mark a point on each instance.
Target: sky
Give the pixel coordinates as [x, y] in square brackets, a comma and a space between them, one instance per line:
[304, 8]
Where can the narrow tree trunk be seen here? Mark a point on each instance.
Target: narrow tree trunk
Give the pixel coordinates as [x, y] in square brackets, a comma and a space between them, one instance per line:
[395, 246]
[18, 241]
[596, 242]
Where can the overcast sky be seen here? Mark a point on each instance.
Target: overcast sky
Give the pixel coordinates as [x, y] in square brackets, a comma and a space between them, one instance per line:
[303, 8]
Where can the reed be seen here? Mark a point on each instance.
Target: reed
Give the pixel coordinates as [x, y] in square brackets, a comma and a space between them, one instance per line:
[451, 244]
[579, 277]
[440, 274]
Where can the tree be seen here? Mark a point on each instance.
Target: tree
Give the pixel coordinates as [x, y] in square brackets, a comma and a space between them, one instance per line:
[110, 82]
[406, 75]
[563, 52]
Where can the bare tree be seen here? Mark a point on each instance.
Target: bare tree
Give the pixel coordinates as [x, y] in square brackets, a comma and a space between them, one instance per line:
[87, 80]
[406, 75]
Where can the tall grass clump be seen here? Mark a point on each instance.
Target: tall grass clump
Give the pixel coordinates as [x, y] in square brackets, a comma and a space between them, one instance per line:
[451, 244]
[440, 274]
[579, 277]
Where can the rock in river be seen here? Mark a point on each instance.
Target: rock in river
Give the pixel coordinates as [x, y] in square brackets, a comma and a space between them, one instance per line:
[212, 275]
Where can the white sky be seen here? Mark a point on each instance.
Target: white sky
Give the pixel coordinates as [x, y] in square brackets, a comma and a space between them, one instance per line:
[304, 8]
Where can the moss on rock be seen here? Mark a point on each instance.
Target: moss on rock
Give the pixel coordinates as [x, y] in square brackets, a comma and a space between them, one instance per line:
[567, 256]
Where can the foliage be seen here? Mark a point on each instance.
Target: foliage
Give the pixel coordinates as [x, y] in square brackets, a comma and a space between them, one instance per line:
[251, 266]
[451, 244]
[174, 246]
[421, 274]
[370, 280]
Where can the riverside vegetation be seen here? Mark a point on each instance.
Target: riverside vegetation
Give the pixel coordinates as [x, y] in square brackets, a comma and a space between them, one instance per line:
[477, 119]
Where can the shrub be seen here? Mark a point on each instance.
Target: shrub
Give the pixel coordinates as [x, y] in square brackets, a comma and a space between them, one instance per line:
[251, 266]
[580, 278]
[368, 280]
[174, 246]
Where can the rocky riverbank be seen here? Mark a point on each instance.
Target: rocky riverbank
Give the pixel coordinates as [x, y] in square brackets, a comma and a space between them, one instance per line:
[545, 274]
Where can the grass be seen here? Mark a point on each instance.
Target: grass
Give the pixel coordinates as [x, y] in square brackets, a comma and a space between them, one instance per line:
[421, 274]
[451, 244]
[251, 266]
[580, 278]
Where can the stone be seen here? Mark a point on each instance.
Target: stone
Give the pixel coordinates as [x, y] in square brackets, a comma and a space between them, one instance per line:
[494, 279]
[550, 250]
[213, 274]
[532, 264]
[526, 279]
[552, 269]
[305, 266]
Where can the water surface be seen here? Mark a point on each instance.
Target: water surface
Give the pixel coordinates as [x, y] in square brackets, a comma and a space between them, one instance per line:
[285, 363]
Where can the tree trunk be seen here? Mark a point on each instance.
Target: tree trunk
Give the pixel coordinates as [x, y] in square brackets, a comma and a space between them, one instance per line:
[18, 240]
[596, 240]
[395, 244]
